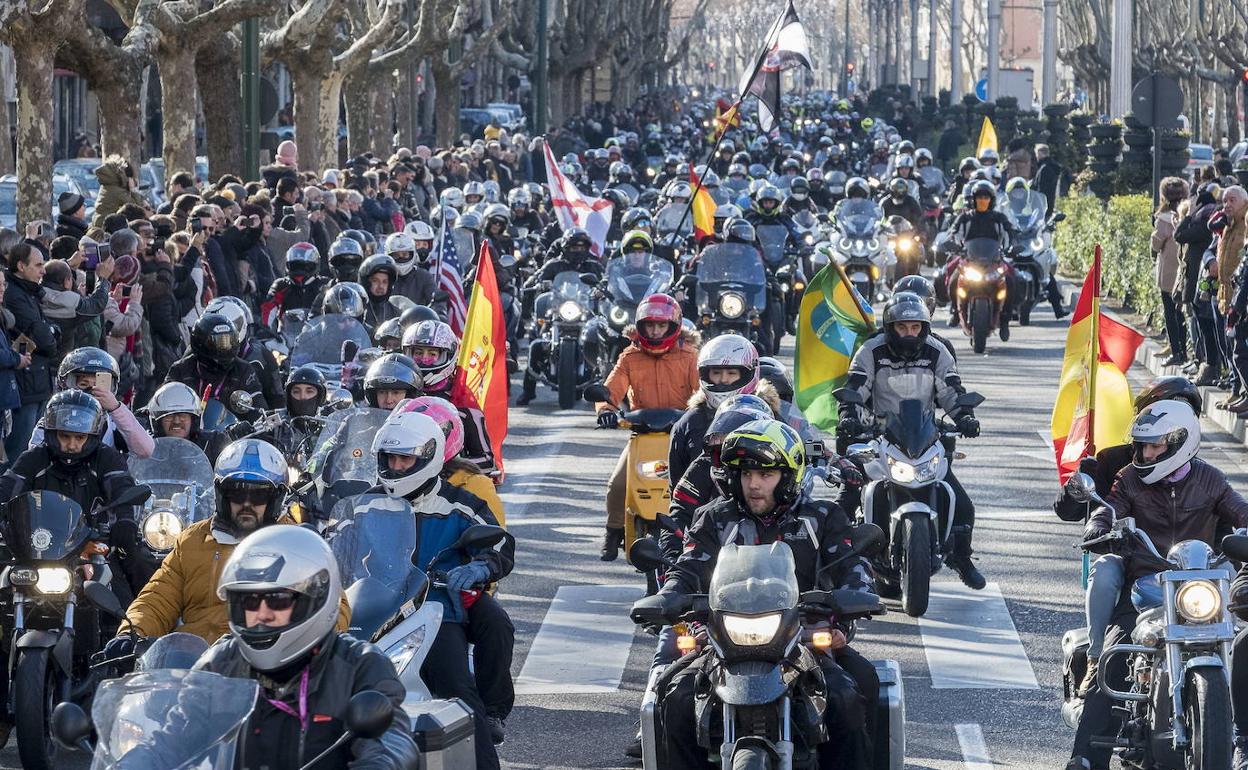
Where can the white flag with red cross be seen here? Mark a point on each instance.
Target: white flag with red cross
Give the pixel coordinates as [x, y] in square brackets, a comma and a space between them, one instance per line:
[574, 209]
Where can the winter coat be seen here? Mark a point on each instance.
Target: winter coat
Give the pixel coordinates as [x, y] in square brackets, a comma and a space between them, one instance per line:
[72, 226]
[21, 298]
[280, 240]
[200, 376]
[223, 271]
[114, 194]
[10, 398]
[1018, 163]
[1166, 250]
[689, 433]
[481, 486]
[182, 594]
[1194, 235]
[121, 324]
[654, 380]
[72, 313]
[162, 335]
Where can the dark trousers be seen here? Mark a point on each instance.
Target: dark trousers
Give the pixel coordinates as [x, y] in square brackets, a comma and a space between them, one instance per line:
[446, 673]
[1239, 357]
[849, 716]
[1239, 683]
[963, 509]
[1210, 345]
[1099, 719]
[494, 637]
[1176, 325]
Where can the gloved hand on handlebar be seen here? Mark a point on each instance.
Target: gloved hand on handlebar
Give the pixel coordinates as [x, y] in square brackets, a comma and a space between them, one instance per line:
[119, 647]
[608, 418]
[968, 426]
[1094, 529]
[850, 426]
[850, 475]
[466, 576]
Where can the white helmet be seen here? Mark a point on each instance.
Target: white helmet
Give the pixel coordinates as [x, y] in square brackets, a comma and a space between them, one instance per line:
[173, 398]
[409, 434]
[433, 334]
[728, 350]
[285, 563]
[403, 243]
[453, 197]
[421, 231]
[474, 188]
[235, 311]
[1168, 422]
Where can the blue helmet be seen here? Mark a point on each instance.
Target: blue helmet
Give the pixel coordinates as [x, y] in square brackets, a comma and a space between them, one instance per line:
[245, 469]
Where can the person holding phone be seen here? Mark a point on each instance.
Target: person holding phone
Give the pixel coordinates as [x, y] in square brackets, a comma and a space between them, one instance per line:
[34, 381]
[72, 312]
[11, 362]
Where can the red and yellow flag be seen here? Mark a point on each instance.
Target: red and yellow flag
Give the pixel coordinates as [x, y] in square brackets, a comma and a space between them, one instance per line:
[1093, 400]
[726, 116]
[703, 209]
[482, 372]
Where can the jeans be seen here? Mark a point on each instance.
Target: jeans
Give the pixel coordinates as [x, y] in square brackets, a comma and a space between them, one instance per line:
[1176, 326]
[24, 420]
[1239, 683]
[1239, 357]
[1105, 581]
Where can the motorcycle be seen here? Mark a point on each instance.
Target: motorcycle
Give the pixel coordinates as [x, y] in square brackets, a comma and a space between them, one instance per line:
[1178, 702]
[624, 288]
[858, 248]
[180, 477]
[906, 463]
[932, 186]
[780, 260]
[906, 246]
[762, 635]
[731, 295]
[562, 312]
[325, 343]
[343, 463]
[57, 584]
[648, 494]
[1034, 259]
[982, 288]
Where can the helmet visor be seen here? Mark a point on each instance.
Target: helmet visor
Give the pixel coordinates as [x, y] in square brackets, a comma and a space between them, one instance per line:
[74, 418]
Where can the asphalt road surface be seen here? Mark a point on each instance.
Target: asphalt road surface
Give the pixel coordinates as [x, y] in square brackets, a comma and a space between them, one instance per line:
[981, 672]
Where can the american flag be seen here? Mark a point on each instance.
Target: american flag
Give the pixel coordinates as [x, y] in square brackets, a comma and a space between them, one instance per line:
[449, 281]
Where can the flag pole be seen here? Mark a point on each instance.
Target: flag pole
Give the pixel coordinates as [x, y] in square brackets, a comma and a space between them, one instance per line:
[437, 264]
[1094, 354]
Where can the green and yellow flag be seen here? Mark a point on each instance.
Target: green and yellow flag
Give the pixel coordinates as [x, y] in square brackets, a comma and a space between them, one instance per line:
[987, 138]
[833, 321]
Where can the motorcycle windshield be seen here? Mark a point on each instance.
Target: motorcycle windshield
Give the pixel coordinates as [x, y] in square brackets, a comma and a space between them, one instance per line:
[1027, 209]
[754, 580]
[772, 239]
[668, 220]
[859, 218]
[569, 286]
[216, 415]
[630, 283]
[321, 340]
[180, 477]
[465, 247]
[983, 250]
[932, 180]
[344, 450]
[44, 526]
[805, 220]
[733, 265]
[373, 538]
[172, 719]
[176, 650]
[912, 427]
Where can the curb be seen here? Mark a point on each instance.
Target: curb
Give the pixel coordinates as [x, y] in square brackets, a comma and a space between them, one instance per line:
[1149, 356]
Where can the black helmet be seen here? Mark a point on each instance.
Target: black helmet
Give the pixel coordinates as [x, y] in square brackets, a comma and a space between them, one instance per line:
[738, 230]
[857, 187]
[920, 286]
[393, 371]
[417, 313]
[898, 188]
[215, 339]
[579, 237]
[379, 263]
[799, 188]
[983, 188]
[73, 411]
[305, 375]
[86, 361]
[302, 261]
[389, 330]
[345, 256]
[773, 371]
[362, 237]
[635, 219]
[791, 164]
[905, 306]
[345, 299]
[619, 199]
[1170, 388]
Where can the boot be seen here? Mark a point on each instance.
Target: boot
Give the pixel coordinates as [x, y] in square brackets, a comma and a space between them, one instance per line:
[1175, 359]
[611, 543]
[529, 393]
[498, 729]
[959, 559]
[1191, 367]
[1240, 760]
[1004, 331]
[633, 749]
[1205, 376]
[953, 315]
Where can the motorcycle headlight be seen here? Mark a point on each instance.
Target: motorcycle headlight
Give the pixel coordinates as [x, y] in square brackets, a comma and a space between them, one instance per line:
[973, 274]
[569, 311]
[749, 631]
[1037, 243]
[1198, 601]
[54, 580]
[809, 239]
[732, 305]
[161, 530]
[618, 315]
[401, 654]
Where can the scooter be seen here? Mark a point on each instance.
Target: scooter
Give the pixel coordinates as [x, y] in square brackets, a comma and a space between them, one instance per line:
[648, 493]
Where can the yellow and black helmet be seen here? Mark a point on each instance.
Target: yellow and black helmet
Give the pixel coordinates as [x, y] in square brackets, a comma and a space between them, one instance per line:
[763, 445]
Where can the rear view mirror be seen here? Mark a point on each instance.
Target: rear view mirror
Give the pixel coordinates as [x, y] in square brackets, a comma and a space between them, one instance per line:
[369, 714]
[1235, 547]
[1058, 217]
[102, 597]
[136, 495]
[71, 727]
[240, 402]
[969, 400]
[645, 555]
[595, 394]
[1080, 487]
[480, 536]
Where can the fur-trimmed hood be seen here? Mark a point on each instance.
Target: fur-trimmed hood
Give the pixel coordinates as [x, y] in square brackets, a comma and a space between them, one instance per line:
[765, 390]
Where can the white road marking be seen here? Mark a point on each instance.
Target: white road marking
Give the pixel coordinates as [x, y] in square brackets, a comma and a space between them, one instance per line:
[974, 748]
[970, 641]
[583, 643]
[527, 475]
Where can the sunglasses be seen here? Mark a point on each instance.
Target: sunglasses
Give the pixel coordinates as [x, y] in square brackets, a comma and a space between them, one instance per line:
[250, 496]
[275, 600]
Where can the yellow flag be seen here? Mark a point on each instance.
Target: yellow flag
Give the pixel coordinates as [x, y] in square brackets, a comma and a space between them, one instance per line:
[987, 138]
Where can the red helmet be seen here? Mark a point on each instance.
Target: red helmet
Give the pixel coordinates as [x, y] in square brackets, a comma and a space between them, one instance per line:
[659, 307]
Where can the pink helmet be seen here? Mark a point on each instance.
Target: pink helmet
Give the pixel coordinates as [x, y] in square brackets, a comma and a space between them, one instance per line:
[438, 370]
[447, 417]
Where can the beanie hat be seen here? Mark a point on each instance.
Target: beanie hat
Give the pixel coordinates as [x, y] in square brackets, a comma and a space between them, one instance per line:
[69, 202]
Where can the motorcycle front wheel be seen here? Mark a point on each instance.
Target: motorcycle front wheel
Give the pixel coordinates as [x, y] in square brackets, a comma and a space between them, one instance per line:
[567, 373]
[752, 758]
[34, 687]
[916, 567]
[981, 319]
[1207, 711]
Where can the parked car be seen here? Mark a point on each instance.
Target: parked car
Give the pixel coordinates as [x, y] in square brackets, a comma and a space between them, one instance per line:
[512, 115]
[82, 171]
[1200, 155]
[61, 183]
[473, 120]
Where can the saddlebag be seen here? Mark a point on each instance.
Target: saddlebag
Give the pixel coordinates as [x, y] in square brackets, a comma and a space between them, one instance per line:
[890, 718]
[444, 732]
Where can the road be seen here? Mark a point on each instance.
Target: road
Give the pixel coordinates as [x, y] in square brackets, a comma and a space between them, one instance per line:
[981, 672]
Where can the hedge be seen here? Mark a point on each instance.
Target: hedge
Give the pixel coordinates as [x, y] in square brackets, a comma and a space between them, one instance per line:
[1122, 228]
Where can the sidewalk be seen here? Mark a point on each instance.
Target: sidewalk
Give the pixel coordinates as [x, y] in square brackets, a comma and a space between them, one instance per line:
[1149, 356]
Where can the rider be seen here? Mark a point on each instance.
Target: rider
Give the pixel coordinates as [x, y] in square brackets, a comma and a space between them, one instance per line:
[762, 465]
[345, 256]
[901, 203]
[175, 411]
[378, 275]
[410, 448]
[980, 220]
[411, 250]
[799, 198]
[250, 349]
[281, 592]
[1173, 496]
[390, 379]
[1019, 189]
[299, 288]
[922, 288]
[658, 370]
[94, 371]
[902, 351]
[213, 368]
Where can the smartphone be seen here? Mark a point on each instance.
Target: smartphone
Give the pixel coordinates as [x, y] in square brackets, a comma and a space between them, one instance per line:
[197, 225]
[92, 250]
[23, 348]
[104, 380]
[125, 290]
[316, 206]
[106, 251]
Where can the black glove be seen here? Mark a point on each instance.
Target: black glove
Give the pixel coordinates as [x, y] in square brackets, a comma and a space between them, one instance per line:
[1093, 530]
[119, 647]
[850, 426]
[968, 426]
[608, 418]
[850, 474]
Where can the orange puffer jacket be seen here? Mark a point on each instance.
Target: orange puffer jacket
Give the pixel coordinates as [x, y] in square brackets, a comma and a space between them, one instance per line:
[654, 380]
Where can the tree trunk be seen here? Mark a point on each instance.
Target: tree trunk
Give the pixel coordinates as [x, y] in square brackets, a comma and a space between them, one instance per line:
[429, 107]
[317, 94]
[446, 102]
[383, 128]
[179, 104]
[218, 70]
[34, 58]
[360, 116]
[405, 106]
[6, 145]
[121, 117]
[558, 84]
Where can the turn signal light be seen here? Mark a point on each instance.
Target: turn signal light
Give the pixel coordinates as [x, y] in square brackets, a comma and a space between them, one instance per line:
[821, 639]
[686, 644]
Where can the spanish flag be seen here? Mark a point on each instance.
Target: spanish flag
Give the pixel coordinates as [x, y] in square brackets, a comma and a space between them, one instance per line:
[1093, 404]
[832, 323]
[703, 206]
[987, 137]
[726, 116]
[482, 375]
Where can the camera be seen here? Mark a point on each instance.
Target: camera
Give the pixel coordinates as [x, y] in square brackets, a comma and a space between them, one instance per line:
[197, 225]
[92, 250]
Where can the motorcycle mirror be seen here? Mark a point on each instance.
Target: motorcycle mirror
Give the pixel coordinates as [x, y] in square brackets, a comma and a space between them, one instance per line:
[369, 714]
[240, 402]
[480, 536]
[644, 554]
[860, 452]
[1059, 216]
[1235, 547]
[867, 538]
[102, 597]
[136, 495]
[341, 398]
[589, 279]
[847, 396]
[71, 727]
[596, 394]
[969, 400]
[1080, 487]
[668, 523]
